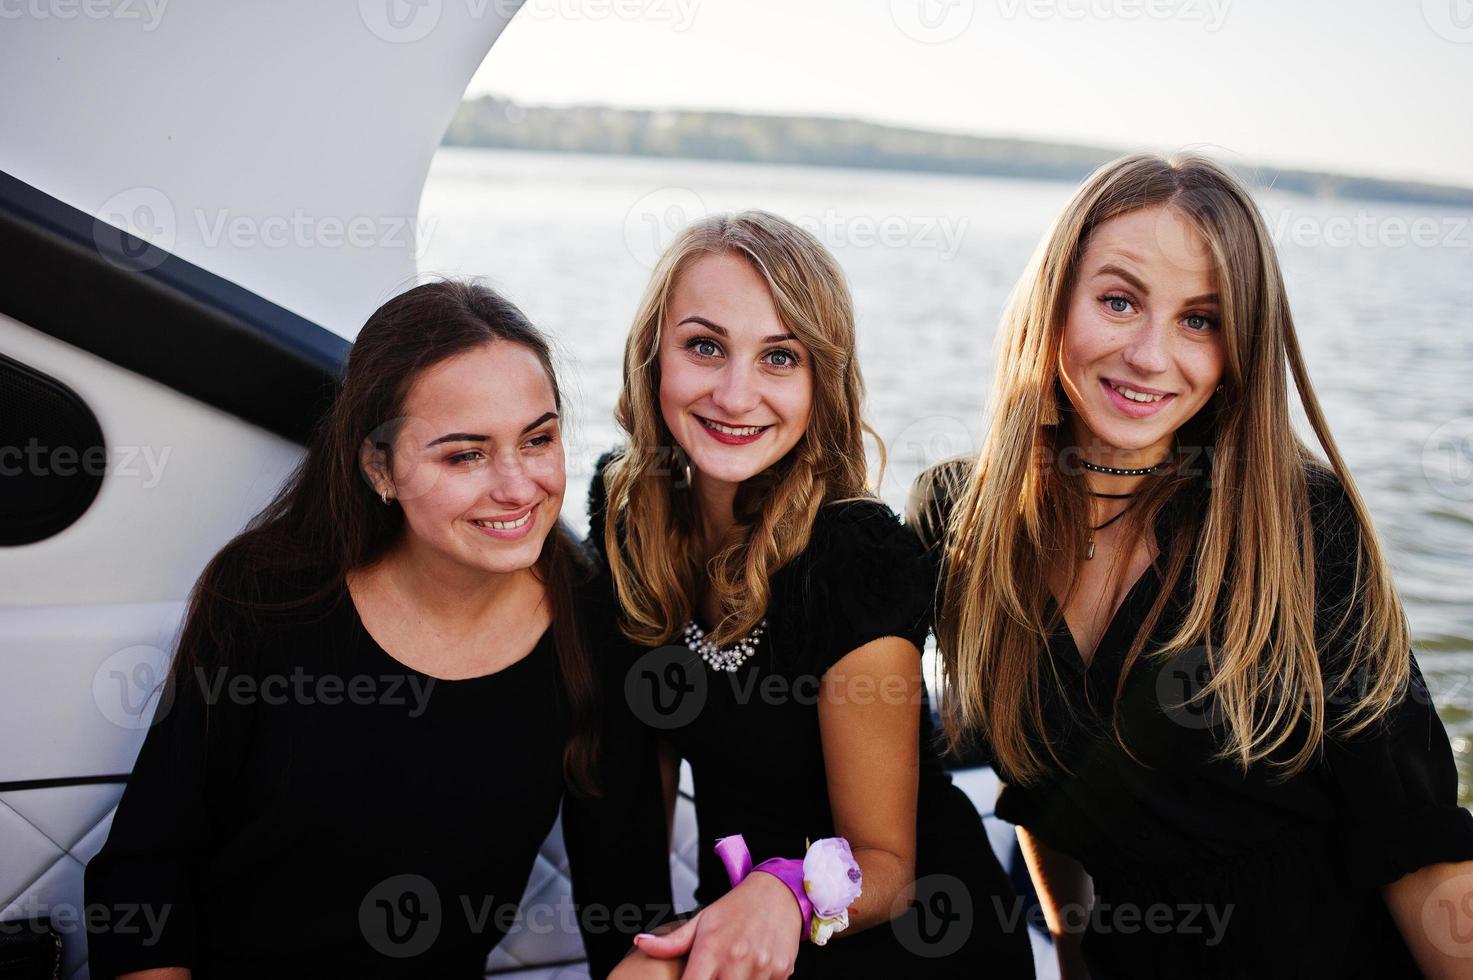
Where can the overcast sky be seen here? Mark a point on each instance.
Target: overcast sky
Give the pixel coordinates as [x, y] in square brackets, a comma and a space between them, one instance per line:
[1363, 86]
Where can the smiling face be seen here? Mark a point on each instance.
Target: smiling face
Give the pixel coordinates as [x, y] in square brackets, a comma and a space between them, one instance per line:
[478, 466]
[1143, 349]
[736, 387]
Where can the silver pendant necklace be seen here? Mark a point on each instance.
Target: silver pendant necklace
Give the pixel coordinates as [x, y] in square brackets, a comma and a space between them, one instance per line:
[716, 658]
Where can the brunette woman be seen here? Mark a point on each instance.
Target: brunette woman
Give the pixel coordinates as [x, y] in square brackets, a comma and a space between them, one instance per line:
[1171, 623]
[380, 691]
[753, 563]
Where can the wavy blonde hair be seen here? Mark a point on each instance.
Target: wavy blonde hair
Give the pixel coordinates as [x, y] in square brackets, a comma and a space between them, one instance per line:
[649, 535]
[1017, 513]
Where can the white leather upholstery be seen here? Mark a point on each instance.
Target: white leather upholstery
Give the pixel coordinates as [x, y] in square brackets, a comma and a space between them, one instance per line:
[50, 834]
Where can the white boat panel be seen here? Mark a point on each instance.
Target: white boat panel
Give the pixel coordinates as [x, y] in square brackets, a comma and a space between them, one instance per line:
[244, 137]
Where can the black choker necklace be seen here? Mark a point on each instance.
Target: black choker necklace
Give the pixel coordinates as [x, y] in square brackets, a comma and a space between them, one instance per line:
[1116, 471]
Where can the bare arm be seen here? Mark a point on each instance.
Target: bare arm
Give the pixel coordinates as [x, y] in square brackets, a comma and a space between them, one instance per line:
[162, 973]
[869, 723]
[1066, 896]
[869, 720]
[1433, 908]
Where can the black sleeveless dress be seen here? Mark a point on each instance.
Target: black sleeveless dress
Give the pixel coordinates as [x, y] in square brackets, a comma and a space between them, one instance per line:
[1201, 869]
[752, 739]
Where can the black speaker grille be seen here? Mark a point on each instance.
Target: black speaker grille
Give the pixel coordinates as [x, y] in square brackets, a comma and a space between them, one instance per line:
[52, 456]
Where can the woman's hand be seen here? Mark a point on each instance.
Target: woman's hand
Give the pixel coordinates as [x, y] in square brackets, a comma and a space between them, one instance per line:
[750, 933]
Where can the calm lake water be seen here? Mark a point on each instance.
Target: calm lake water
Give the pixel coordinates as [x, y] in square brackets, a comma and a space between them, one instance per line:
[1382, 296]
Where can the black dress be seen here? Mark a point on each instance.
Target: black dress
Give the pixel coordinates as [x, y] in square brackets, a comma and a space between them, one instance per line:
[309, 806]
[1201, 869]
[753, 743]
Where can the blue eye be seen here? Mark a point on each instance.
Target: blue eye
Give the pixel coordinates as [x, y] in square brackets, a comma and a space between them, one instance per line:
[782, 357]
[704, 347]
[1117, 304]
[1200, 321]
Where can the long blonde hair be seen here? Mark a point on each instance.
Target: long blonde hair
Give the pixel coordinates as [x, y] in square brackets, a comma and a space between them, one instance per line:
[650, 532]
[1253, 603]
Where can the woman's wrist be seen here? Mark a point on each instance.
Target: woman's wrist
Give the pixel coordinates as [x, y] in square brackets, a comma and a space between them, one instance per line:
[776, 894]
[824, 883]
[790, 872]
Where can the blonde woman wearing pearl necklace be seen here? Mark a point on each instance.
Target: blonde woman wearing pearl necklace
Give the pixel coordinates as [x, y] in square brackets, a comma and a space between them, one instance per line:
[756, 560]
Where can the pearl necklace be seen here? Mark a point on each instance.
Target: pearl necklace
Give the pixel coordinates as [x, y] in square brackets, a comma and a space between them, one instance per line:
[716, 658]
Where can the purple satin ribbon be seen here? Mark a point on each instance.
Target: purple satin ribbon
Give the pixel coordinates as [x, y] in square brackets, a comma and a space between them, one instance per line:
[735, 858]
[738, 863]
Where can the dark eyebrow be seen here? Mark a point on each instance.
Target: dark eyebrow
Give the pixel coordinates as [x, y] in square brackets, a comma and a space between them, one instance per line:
[544, 417]
[719, 330]
[457, 437]
[1115, 270]
[474, 437]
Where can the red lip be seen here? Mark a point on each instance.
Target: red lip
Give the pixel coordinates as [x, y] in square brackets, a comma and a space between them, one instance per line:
[726, 438]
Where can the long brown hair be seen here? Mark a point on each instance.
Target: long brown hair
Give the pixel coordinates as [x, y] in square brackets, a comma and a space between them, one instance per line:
[326, 520]
[650, 535]
[1253, 601]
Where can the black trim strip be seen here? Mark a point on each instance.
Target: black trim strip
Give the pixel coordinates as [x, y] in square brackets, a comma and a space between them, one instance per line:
[83, 281]
[20, 784]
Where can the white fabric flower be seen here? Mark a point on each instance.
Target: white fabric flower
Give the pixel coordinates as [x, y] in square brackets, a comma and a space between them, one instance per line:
[823, 929]
[832, 879]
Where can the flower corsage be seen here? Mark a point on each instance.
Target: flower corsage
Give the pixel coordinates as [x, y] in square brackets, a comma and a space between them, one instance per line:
[833, 881]
[825, 883]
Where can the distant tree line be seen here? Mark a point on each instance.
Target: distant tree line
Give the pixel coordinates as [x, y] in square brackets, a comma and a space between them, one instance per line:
[815, 141]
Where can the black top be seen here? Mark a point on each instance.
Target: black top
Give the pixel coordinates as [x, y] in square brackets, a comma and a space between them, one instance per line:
[752, 736]
[308, 805]
[1245, 874]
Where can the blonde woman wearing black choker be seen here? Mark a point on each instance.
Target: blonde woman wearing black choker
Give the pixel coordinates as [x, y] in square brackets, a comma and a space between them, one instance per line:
[1171, 624]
